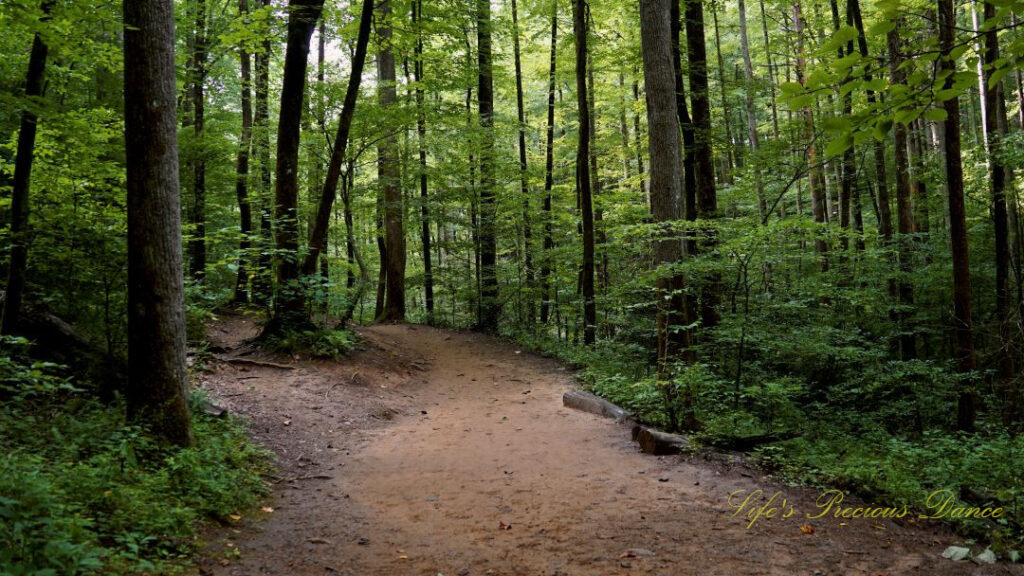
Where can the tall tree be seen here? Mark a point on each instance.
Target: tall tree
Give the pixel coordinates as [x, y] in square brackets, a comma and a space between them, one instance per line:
[579, 18]
[490, 306]
[318, 236]
[289, 305]
[549, 166]
[242, 168]
[904, 213]
[524, 186]
[156, 391]
[707, 195]
[666, 180]
[197, 241]
[389, 176]
[421, 133]
[963, 329]
[262, 284]
[34, 85]
[995, 120]
[815, 179]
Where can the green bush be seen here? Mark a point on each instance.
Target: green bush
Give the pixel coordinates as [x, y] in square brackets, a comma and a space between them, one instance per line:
[81, 492]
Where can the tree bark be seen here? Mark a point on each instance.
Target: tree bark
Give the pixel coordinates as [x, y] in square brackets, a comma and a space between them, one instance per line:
[815, 179]
[318, 236]
[389, 176]
[549, 165]
[752, 135]
[490, 306]
[421, 133]
[262, 287]
[904, 211]
[995, 119]
[965, 357]
[666, 180]
[583, 172]
[707, 195]
[289, 306]
[34, 87]
[524, 186]
[197, 240]
[242, 169]
[157, 385]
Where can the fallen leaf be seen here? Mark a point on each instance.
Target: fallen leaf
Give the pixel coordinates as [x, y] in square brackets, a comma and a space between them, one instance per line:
[503, 526]
[235, 517]
[316, 540]
[403, 557]
[807, 529]
[287, 422]
[956, 553]
[267, 509]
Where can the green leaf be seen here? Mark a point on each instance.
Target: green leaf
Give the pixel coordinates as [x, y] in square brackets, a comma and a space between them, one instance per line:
[935, 114]
[839, 145]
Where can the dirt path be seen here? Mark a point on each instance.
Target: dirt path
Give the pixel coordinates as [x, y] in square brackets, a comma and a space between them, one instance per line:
[436, 452]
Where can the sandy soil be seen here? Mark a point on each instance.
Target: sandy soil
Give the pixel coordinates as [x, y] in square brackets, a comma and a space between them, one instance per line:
[434, 452]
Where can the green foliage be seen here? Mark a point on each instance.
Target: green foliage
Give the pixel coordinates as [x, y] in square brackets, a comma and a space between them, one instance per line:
[81, 492]
[317, 343]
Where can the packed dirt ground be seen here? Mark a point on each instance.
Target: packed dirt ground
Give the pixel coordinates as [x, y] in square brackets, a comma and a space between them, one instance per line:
[434, 452]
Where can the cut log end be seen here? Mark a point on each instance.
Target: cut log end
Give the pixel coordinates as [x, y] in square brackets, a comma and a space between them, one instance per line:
[587, 402]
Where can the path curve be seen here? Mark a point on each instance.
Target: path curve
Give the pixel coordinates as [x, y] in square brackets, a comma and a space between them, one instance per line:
[440, 452]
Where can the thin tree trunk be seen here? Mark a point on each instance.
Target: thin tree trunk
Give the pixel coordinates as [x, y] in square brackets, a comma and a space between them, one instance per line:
[34, 87]
[995, 119]
[157, 382]
[904, 211]
[644, 187]
[262, 288]
[583, 172]
[242, 169]
[815, 176]
[771, 70]
[965, 357]
[490, 306]
[318, 236]
[549, 161]
[732, 150]
[707, 195]
[523, 176]
[197, 241]
[421, 134]
[289, 306]
[752, 135]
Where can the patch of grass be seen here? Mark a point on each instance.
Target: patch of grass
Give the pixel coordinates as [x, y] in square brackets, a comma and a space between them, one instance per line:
[82, 492]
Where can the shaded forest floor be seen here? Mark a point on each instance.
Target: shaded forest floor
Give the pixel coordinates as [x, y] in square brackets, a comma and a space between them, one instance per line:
[438, 452]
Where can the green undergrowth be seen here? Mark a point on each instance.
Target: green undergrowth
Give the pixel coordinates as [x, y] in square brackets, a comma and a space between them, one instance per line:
[82, 492]
[318, 343]
[880, 432]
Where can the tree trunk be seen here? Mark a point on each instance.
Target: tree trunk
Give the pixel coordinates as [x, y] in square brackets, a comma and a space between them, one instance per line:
[549, 165]
[490, 306]
[995, 119]
[197, 241]
[157, 384]
[748, 70]
[666, 180]
[421, 133]
[965, 357]
[732, 150]
[771, 69]
[262, 288]
[583, 172]
[815, 180]
[318, 236]
[289, 306]
[242, 169]
[22, 177]
[389, 176]
[707, 195]
[524, 186]
[904, 211]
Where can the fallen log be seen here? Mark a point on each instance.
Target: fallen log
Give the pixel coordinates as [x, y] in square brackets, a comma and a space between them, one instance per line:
[587, 402]
[658, 443]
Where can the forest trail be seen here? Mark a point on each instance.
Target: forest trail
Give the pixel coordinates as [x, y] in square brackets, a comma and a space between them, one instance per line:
[438, 452]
